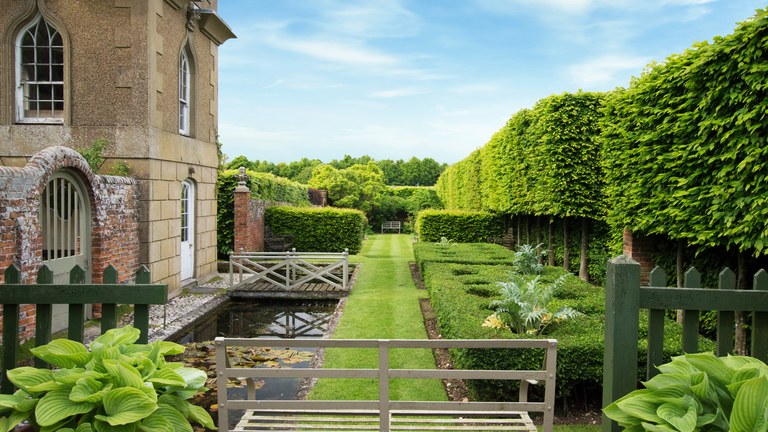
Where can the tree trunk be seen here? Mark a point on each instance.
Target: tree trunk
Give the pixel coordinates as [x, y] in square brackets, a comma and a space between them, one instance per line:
[551, 244]
[566, 257]
[740, 338]
[517, 237]
[680, 272]
[527, 229]
[584, 258]
[538, 230]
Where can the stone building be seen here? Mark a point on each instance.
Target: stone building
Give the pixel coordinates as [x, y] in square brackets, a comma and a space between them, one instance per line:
[139, 75]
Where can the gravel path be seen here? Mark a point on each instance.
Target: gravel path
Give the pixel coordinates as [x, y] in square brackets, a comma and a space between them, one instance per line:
[167, 319]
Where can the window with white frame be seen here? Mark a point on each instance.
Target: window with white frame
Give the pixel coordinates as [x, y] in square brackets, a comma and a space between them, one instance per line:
[39, 73]
[184, 93]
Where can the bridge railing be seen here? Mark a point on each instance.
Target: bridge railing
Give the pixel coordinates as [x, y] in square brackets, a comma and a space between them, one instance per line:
[289, 270]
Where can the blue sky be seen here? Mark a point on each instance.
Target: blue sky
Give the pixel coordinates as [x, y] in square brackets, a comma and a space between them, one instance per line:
[394, 79]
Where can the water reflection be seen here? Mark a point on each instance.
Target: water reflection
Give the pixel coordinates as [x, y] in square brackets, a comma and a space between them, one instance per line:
[252, 319]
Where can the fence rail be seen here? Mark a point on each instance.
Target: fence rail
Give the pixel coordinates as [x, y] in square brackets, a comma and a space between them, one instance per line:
[625, 297]
[44, 294]
[289, 270]
[385, 414]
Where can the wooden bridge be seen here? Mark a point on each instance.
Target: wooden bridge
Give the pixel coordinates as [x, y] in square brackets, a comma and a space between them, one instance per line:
[294, 275]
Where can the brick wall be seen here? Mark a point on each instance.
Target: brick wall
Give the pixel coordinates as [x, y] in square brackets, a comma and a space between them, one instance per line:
[249, 221]
[114, 203]
[640, 248]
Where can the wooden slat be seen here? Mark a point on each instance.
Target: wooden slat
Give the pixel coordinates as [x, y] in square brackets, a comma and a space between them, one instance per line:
[10, 332]
[703, 299]
[76, 316]
[760, 320]
[43, 314]
[109, 308]
[656, 318]
[726, 320]
[141, 311]
[691, 317]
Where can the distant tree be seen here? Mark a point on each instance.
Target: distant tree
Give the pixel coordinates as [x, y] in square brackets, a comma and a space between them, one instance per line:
[348, 161]
[391, 171]
[358, 187]
[241, 161]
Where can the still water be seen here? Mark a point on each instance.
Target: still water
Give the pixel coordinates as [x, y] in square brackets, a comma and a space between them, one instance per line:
[254, 319]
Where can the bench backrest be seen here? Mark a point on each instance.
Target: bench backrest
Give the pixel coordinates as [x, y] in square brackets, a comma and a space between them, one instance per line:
[384, 374]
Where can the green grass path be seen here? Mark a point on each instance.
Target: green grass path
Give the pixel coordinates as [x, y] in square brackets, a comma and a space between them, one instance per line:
[383, 304]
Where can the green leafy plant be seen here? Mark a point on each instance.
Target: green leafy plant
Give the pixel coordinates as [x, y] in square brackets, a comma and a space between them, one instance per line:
[93, 153]
[116, 386]
[528, 259]
[698, 392]
[523, 307]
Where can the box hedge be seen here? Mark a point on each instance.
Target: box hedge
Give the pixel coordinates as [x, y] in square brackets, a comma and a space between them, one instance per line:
[317, 229]
[460, 294]
[458, 226]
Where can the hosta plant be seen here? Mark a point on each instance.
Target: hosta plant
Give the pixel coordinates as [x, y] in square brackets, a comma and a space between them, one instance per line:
[698, 392]
[528, 259]
[523, 306]
[116, 386]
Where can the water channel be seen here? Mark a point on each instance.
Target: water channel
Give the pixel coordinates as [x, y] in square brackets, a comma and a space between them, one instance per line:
[269, 318]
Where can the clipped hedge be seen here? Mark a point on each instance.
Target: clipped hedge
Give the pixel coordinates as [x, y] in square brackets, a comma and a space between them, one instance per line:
[458, 226]
[460, 294]
[319, 229]
[263, 186]
[462, 253]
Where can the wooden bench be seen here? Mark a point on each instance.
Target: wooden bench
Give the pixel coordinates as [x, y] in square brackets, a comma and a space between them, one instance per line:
[277, 242]
[390, 226]
[384, 414]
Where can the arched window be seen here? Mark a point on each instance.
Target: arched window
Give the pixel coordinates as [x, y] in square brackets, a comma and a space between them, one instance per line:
[39, 73]
[185, 83]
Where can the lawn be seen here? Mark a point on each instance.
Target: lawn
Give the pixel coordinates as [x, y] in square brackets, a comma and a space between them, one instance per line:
[384, 304]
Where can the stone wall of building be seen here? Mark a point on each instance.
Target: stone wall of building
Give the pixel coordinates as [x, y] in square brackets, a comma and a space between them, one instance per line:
[121, 85]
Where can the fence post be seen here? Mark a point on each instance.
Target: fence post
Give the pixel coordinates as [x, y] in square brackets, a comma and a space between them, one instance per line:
[10, 332]
[622, 307]
[760, 320]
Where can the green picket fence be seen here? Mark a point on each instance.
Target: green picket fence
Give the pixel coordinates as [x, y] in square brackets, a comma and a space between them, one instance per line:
[625, 297]
[44, 294]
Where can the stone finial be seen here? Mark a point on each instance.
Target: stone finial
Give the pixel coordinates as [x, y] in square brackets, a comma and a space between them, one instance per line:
[242, 177]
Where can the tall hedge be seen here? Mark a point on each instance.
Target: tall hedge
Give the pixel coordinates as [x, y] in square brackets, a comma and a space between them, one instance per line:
[316, 229]
[457, 226]
[263, 186]
[685, 149]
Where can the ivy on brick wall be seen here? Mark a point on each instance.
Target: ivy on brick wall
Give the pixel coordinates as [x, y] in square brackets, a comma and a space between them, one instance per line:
[263, 186]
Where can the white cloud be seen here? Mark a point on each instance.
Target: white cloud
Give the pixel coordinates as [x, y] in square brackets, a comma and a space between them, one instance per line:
[398, 92]
[274, 84]
[474, 88]
[518, 6]
[372, 19]
[602, 72]
[334, 51]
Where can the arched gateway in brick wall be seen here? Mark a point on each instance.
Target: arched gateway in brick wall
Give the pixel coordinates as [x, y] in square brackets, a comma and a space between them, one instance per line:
[56, 211]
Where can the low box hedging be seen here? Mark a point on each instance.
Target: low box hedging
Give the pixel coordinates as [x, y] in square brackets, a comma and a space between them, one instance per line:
[460, 295]
[462, 253]
[317, 229]
[458, 226]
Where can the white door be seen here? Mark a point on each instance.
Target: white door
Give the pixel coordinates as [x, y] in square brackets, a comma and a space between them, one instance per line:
[187, 230]
[65, 224]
